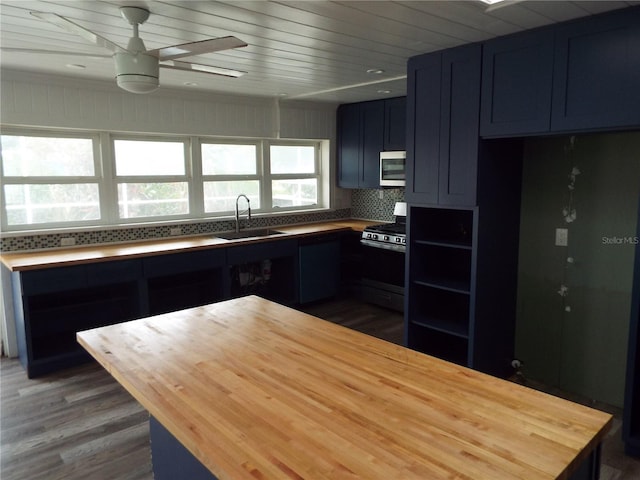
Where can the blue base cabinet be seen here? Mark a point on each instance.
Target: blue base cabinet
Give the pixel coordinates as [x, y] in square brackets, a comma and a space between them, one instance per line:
[319, 268]
[178, 281]
[266, 269]
[51, 305]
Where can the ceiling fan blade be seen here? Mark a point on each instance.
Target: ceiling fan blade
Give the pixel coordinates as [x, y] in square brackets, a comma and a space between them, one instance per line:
[73, 27]
[197, 48]
[53, 52]
[196, 67]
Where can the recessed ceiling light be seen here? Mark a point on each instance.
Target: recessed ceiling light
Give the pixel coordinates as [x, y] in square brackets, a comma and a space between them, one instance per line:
[375, 71]
[491, 2]
[75, 66]
[384, 91]
[190, 84]
[281, 94]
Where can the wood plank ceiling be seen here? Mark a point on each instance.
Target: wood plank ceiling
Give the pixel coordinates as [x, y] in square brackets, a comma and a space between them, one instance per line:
[314, 50]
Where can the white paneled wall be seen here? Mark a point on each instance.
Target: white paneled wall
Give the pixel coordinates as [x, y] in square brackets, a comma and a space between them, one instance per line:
[37, 100]
[45, 101]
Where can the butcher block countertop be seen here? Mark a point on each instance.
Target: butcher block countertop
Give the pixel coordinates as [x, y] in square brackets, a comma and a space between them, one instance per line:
[21, 261]
[254, 389]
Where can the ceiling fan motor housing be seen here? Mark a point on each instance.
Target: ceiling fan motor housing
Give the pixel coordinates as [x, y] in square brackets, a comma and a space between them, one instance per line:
[137, 72]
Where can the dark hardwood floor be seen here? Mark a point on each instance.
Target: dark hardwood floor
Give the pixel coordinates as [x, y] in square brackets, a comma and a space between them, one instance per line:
[80, 424]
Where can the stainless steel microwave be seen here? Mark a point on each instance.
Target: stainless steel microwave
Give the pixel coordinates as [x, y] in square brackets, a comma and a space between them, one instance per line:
[392, 168]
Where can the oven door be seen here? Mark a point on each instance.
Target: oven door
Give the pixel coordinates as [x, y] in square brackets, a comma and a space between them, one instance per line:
[382, 280]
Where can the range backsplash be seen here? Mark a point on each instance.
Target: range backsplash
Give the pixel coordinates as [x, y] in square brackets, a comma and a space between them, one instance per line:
[366, 203]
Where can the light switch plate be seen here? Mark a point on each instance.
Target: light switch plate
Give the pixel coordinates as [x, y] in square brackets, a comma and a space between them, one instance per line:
[562, 237]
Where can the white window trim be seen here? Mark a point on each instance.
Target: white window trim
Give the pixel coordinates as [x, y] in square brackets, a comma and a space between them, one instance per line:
[107, 180]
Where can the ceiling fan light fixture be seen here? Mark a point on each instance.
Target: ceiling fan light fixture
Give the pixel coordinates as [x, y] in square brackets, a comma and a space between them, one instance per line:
[137, 73]
[137, 83]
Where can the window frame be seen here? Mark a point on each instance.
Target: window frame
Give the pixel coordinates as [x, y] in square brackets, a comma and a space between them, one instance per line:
[107, 180]
[259, 175]
[317, 174]
[95, 179]
[132, 179]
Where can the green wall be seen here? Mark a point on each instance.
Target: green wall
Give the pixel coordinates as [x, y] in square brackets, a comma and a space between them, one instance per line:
[582, 350]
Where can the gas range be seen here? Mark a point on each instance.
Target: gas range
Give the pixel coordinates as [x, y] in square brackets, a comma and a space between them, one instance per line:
[391, 236]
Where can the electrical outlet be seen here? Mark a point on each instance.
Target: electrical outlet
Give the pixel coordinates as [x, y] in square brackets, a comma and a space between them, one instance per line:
[562, 237]
[175, 231]
[381, 194]
[67, 241]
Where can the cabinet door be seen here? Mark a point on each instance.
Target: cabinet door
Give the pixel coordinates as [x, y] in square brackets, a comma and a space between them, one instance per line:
[349, 145]
[517, 73]
[459, 123]
[319, 271]
[423, 128]
[372, 143]
[597, 73]
[395, 123]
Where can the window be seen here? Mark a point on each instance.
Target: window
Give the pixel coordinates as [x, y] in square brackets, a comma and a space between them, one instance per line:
[151, 178]
[49, 180]
[227, 171]
[294, 175]
[55, 179]
[273, 175]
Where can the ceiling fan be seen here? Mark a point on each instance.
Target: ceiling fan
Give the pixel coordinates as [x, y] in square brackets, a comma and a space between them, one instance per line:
[137, 69]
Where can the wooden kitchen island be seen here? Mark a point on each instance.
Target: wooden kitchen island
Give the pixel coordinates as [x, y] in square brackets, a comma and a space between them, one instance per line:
[256, 390]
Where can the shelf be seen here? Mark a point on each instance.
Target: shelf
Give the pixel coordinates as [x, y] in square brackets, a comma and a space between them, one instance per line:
[442, 266]
[55, 347]
[443, 326]
[445, 244]
[442, 226]
[451, 348]
[462, 288]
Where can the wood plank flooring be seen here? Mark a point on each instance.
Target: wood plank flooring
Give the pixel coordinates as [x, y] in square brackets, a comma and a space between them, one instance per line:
[80, 424]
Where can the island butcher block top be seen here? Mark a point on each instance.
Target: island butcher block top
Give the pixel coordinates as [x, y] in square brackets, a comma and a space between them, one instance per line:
[254, 389]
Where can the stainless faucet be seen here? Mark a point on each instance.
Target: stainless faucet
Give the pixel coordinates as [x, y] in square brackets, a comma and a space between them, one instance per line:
[248, 211]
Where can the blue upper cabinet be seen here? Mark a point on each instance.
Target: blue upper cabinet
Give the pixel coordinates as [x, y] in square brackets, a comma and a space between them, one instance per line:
[395, 119]
[597, 73]
[443, 105]
[459, 124]
[360, 141]
[364, 130]
[372, 143]
[423, 128]
[517, 75]
[349, 146]
[583, 75]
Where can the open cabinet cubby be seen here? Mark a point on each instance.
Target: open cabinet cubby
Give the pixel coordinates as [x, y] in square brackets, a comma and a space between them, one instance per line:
[439, 282]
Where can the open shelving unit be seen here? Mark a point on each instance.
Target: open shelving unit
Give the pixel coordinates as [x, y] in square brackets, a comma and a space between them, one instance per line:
[440, 280]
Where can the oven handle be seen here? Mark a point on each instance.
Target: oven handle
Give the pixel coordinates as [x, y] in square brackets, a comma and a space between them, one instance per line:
[386, 246]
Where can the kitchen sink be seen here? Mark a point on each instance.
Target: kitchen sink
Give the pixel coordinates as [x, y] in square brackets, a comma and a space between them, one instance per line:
[250, 233]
